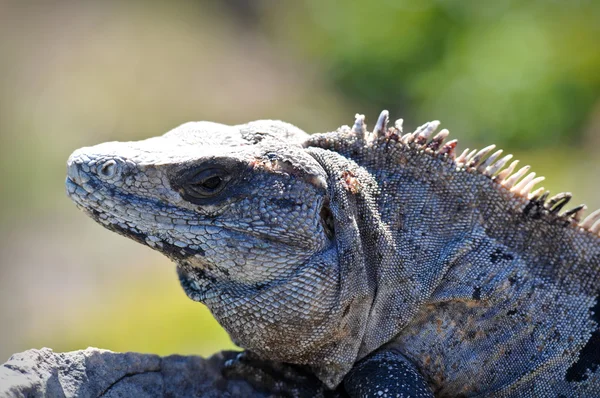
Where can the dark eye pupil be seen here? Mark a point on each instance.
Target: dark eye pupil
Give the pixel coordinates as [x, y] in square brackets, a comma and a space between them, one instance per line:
[211, 182]
[204, 183]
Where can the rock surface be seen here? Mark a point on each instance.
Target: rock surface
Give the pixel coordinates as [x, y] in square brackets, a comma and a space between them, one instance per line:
[101, 373]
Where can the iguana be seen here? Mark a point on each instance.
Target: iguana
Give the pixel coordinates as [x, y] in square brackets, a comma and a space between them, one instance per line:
[382, 262]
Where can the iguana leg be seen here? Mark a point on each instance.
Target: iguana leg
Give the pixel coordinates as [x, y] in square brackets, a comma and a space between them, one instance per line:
[386, 374]
[276, 378]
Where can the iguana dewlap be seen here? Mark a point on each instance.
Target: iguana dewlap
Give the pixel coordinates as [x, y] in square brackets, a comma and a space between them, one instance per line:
[377, 259]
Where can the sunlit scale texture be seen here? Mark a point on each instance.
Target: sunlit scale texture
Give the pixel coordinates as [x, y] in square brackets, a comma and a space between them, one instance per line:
[376, 258]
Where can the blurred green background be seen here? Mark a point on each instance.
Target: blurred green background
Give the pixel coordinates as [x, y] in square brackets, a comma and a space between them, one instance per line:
[523, 75]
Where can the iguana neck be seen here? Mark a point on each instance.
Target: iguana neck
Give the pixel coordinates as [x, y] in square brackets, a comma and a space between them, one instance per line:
[431, 209]
[391, 246]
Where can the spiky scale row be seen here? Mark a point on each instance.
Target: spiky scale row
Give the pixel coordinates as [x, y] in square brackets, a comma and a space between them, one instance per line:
[511, 181]
[359, 124]
[591, 219]
[448, 148]
[558, 201]
[382, 122]
[398, 124]
[575, 213]
[461, 158]
[423, 133]
[516, 182]
[523, 183]
[537, 194]
[494, 168]
[506, 172]
[526, 191]
[438, 140]
[475, 160]
[489, 161]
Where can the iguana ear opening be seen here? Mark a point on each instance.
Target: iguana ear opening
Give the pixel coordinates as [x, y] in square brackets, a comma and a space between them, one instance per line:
[327, 220]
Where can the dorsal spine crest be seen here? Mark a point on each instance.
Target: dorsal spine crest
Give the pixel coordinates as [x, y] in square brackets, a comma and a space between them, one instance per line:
[520, 183]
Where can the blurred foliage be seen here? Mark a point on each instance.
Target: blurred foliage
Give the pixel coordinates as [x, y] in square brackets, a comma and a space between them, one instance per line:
[151, 315]
[523, 75]
[511, 72]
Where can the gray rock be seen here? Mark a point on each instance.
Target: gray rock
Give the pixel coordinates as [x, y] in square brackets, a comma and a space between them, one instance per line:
[101, 373]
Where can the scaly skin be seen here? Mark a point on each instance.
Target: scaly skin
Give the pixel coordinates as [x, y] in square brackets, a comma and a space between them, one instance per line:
[376, 259]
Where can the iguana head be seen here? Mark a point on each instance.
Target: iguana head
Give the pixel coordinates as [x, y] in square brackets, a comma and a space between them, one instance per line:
[243, 210]
[228, 200]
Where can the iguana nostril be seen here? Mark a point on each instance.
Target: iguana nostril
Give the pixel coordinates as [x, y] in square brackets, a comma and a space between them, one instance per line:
[73, 172]
[108, 169]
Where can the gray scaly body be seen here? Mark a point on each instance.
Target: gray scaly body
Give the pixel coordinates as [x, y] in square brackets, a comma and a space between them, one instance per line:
[378, 261]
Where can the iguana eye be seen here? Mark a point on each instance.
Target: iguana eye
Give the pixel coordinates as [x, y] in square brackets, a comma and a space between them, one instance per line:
[204, 183]
[207, 183]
